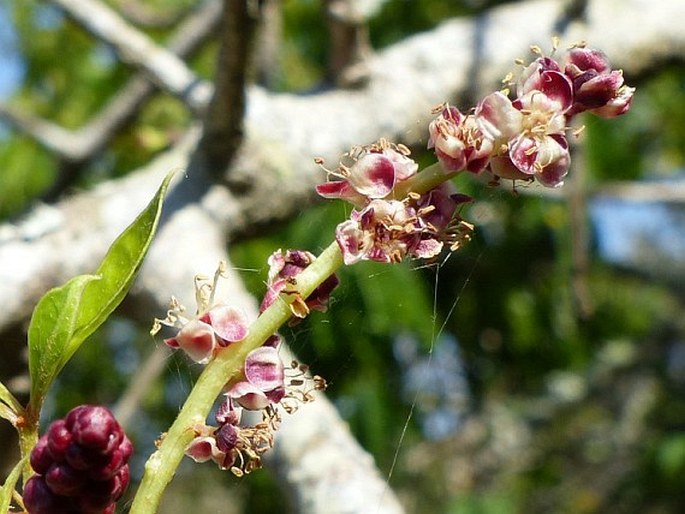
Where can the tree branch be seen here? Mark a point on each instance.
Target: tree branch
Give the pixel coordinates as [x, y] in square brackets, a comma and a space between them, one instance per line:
[140, 13]
[285, 132]
[134, 47]
[223, 124]
[85, 143]
[350, 45]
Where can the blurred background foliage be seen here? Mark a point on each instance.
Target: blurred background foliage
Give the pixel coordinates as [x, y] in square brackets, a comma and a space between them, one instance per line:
[485, 383]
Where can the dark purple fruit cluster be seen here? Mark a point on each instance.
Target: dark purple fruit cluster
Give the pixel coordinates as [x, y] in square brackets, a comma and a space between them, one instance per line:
[81, 464]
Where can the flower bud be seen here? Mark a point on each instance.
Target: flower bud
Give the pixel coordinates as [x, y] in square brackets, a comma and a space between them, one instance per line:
[81, 464]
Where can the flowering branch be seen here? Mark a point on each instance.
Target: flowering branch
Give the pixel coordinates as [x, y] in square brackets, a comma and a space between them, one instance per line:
[223, 368]
[399, 212]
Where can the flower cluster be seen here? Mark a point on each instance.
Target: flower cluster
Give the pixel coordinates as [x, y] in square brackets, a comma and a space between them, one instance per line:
[263, 386]
[372, 173]
[525, 138]
[384, 229]
[265, 383]
[81, 464]
[389, 230]
[398, 214]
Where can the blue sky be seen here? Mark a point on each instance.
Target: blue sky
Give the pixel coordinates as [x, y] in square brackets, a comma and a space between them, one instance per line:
[623, 226]
[11, 65]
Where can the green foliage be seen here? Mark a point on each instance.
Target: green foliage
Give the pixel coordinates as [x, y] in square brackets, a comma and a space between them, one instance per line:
[483, 504]
[649, 141]
[51, 334]
[27, 171]
[67, 315]
[9, 405]
[70, 88]
[7, 488]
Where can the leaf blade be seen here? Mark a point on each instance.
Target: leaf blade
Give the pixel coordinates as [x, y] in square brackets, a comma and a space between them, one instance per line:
[67, 315]
[52, 326]
[10, 408]
[9, 485]
[120, 266]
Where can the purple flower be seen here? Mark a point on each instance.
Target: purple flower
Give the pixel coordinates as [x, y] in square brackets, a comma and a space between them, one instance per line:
[267, 386]
[389, 230]
[597, 88]
[215, 325]
[283, 267]
[200, 337]
[529, 133]
[373, 173]
[458, 141]
[264, 380]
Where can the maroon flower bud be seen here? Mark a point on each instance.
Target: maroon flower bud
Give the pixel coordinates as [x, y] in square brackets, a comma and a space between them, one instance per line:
[82, 458]
[64, 480]
[81, 464]
[59, 439]
[120, 482]
[96, 428]
[40, 458]
[227, 438]
[39, 499]
[597, 88]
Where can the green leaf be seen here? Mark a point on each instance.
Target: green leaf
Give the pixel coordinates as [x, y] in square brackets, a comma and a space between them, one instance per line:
[51, 331]
[10, 408]
[120, 267]
[10, 483]
[67, 315]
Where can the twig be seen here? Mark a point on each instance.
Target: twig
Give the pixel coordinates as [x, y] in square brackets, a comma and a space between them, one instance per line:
[79, 146]
[223, 128]
[350, 45]
[134, 47]
[143, 15]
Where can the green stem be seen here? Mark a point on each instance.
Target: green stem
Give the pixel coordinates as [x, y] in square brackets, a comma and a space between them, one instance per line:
[161, 466]
[28, 437]
[427, 179]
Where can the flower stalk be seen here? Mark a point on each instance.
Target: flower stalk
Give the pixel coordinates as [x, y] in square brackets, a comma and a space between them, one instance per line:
[228, 363]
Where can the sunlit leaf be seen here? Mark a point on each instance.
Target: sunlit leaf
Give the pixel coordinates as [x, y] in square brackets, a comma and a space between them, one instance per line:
[10, 407]
[52, 328]
[8, 487]
[119, 267]
[67, 315]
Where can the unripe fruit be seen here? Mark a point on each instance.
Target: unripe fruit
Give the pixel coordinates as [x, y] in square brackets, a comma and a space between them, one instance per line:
[81, 464]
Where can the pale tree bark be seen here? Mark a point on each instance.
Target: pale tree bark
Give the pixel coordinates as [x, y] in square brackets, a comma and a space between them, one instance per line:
[283, 133]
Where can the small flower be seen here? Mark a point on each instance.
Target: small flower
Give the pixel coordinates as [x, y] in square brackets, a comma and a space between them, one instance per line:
[458, 141]
[268, 386]
[283, 267]
[389, 230]
[597, 88]
[529, 133]
[373, 173]
[264, 380]
[200, 337]
[213, 327]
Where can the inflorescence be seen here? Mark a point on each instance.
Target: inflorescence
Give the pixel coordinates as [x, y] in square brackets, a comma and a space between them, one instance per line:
[399, 212]
[520, 139]
[81, 464]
